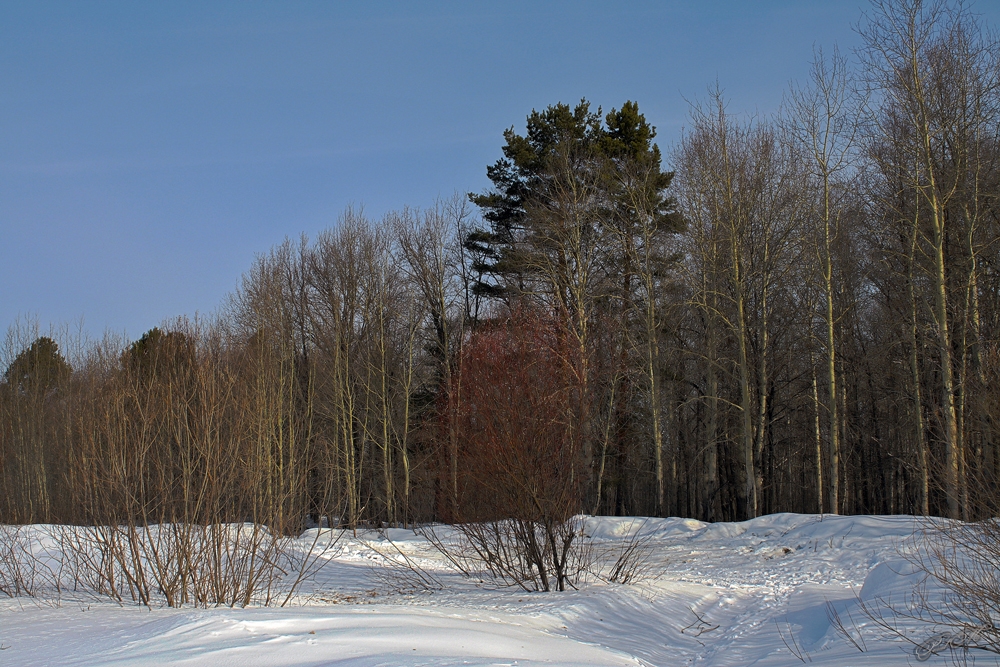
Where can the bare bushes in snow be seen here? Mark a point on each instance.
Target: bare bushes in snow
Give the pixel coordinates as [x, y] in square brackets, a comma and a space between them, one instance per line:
[517, 552]
[234, 565]
[398, 570]
[629, 560]
[189, 471]
[944, 597]
[23, 571]
[962, 560]
[505, 552]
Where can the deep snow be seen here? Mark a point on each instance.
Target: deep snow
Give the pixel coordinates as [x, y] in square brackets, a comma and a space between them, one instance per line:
[750, 593]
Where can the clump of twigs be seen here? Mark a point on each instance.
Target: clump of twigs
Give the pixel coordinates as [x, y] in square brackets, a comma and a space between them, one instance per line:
[398, 570]
[531, 555]
[633, 560]
[535, 556]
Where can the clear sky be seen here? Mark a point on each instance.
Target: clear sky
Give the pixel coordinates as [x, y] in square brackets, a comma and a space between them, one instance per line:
[149, 150]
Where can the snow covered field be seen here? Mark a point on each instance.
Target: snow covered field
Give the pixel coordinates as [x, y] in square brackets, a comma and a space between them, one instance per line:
[750, 593]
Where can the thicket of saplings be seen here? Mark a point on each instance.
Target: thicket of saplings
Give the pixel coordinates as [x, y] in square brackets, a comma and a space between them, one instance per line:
[802, 316]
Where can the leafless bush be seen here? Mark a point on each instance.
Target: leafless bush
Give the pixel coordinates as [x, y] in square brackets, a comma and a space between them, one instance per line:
[234, 565]
[304, 563]
[954, 601]
[848, 629]
[532, 555]
[25, 567]
[538, 557]
[960, 593]
[397, 570]
[791, 643]
[632, 558]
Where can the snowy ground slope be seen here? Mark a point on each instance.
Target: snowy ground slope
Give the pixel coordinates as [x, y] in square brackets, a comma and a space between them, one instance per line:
[750, 593]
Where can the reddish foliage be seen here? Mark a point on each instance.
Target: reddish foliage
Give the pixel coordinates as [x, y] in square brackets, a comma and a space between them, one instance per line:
[514, 411]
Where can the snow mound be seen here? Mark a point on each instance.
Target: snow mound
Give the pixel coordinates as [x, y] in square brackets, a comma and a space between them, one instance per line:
[778, 590]
[289, 637]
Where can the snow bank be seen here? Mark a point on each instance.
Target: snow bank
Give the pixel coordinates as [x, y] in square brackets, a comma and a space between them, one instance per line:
[284, 638]
[777, 590]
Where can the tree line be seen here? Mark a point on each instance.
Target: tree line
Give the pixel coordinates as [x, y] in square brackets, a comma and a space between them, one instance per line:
[801, 314]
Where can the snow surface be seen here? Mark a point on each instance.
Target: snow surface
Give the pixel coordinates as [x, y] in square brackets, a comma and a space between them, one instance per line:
[752, 593]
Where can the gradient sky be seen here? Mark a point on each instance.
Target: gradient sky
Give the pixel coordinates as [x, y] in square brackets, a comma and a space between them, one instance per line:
[149, 150]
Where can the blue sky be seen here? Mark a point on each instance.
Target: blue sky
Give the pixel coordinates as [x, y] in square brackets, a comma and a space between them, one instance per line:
[149, 150]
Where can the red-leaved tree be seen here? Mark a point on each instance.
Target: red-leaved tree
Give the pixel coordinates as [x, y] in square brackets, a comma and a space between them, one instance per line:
[521, 471]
